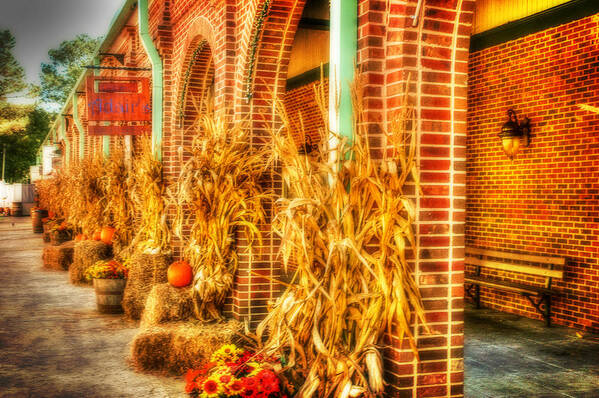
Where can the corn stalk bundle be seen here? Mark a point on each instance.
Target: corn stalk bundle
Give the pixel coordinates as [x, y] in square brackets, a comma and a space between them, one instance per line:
[51, 195]
[147, 194]
[347, 225]
[216, 195]
[119, 206]
[83, 194]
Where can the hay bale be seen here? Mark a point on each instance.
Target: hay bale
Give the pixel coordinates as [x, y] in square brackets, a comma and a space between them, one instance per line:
[145, 271]
[174, 348]
[167, 303]
[58, 237]
[59, 257]
[86, 254]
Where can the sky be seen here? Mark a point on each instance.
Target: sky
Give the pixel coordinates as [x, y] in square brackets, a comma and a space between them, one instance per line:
[39, 25]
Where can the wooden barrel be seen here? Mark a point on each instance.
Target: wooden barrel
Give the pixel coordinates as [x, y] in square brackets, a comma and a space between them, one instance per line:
[36, 221]
[109, 294]
[16, 209]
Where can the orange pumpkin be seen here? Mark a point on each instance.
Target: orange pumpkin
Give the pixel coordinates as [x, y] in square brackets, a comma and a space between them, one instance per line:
[78, 238]
[97, 235]
[106, 235]
[180, 274]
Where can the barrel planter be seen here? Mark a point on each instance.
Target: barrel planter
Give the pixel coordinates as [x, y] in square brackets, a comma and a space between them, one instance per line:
[36, 220]
[16, 209]
[109, 294]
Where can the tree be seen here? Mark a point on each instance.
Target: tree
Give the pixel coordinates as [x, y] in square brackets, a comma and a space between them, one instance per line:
[66, 65]
[22, 144]
[12, 75]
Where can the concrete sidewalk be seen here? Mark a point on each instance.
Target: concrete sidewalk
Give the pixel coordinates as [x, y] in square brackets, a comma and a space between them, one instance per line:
[507, 356]
[52, 341]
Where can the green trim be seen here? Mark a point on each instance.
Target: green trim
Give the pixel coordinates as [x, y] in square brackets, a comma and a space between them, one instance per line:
[343, 50]
[156, 62]
[115, 27]
[554, 16]
[79, 126]
[105, 138]
[307, 77]
[67, 143]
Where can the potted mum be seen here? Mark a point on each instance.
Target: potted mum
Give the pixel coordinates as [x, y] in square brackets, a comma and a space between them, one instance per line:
[234, 372]
[109, 279]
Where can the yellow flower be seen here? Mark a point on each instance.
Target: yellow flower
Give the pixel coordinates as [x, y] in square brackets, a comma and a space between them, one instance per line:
[227, 353]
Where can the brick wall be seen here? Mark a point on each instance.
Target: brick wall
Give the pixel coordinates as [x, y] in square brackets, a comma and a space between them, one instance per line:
[303, 112]
[546, 201]
[433, 53]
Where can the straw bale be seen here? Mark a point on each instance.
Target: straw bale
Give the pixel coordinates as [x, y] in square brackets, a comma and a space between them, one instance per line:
[145, 271]
[86, 254]
[174, 348]
[59, 257]
[57, 237]
[167, 303]
[46, 233]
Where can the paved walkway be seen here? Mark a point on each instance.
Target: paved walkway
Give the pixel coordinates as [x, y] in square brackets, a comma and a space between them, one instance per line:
[54, 344]
[52, 341]
[507, 356]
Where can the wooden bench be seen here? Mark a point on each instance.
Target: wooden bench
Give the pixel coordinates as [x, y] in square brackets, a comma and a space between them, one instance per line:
[548, 268]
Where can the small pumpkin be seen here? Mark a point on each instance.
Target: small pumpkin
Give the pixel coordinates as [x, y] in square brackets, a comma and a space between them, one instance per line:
[97, 235]
[79, 238]
[107, 234]
[180, 274]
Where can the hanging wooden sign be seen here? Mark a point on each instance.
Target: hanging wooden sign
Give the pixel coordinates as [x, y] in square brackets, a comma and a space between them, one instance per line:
[118, 105]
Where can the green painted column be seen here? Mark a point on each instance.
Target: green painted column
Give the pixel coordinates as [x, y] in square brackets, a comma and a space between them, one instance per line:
[105, 139]
[343, 52]
[157, 72]
[67, 144]
[79, 126]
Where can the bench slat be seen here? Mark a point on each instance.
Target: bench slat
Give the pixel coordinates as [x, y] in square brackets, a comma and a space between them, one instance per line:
[526, 269]
[517, 256]
[508, 286]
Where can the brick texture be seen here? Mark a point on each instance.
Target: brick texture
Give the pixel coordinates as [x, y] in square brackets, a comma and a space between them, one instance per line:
[433, 53]
[546, 201]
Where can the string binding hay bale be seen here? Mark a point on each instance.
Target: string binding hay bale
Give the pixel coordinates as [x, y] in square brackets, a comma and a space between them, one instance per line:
[145, 271]
[167, 303]
[86, 254]
[174, 348]
[58, 257]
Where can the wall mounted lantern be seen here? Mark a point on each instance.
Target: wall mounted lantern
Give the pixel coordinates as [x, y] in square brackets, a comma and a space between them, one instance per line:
[514, 134]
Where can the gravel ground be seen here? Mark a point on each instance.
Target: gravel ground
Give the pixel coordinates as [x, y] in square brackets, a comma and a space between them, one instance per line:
[52, 341]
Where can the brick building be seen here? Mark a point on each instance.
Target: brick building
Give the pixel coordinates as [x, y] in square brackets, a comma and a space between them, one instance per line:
[244, 54]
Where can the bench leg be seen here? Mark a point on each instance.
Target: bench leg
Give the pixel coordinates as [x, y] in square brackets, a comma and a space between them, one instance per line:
[543, 306]
[477, 297]
[547, 311]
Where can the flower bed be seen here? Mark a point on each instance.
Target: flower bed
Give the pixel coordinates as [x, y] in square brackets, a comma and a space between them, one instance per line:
[234, 372]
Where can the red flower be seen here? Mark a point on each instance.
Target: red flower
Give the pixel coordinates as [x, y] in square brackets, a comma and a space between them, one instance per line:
[250, 382]
[190, 387]
[248, 393]
[225, 379]
[210, 386]
[236, 387]
[192, 374]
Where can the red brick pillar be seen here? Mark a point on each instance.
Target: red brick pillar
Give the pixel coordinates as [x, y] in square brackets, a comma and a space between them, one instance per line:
[434, 53]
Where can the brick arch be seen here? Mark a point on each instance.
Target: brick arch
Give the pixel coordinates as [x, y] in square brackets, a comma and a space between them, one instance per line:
[196, 88]
[266, 65]
[266, 78]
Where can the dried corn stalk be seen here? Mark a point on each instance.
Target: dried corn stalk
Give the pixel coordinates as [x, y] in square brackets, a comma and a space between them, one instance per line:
[217, 194]
[348, 227]
[148, 196]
